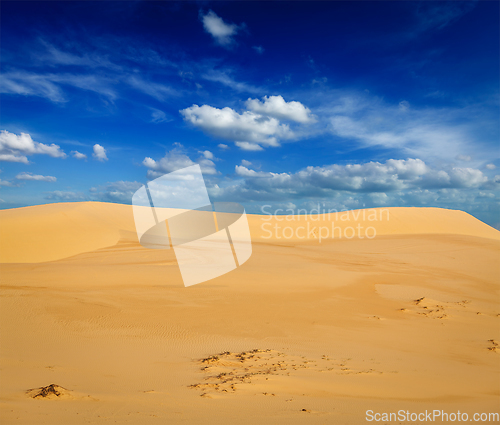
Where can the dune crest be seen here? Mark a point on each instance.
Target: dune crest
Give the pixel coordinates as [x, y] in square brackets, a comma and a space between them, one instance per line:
[54, 231]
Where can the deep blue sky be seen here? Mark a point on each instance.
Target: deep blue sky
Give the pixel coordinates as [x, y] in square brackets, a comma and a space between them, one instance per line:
[394, 103]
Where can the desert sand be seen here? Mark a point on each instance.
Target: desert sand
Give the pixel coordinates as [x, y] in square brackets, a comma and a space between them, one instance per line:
[97, 329]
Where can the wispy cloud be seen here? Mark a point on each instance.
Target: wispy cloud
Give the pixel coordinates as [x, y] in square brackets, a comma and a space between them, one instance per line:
[156, 90]
[36, 177]
[224, 78]
[54, 56]
[158, 116]
[50, 85]
[438, 15]
[30, 84]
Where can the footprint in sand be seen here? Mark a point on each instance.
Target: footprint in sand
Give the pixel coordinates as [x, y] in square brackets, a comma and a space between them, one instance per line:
[494, 346]
[226, 372]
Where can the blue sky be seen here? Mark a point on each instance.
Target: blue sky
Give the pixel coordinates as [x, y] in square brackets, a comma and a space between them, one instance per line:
[346, 104]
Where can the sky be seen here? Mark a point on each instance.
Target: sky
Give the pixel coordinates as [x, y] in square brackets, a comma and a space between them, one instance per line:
[345, 105]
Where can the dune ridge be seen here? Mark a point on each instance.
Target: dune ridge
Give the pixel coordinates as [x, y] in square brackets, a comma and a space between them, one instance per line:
[55, 231]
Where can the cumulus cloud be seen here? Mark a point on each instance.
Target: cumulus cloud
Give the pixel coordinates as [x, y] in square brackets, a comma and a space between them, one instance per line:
[223, 146]
[37, 177]
[253, 129]
[221, 31]
[246, 163]
[99, 153]
[78, 155]
[17, 148]
[277, 107]
[66, 196]
[466, 177]
[207, 154]
[243, 171]
[119, 191]
[6, 183]
[372, 177]
[175, 160]
[247, 146]
[491, 166]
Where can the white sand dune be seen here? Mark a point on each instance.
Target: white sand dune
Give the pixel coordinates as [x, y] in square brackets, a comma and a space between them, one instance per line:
[306, 331]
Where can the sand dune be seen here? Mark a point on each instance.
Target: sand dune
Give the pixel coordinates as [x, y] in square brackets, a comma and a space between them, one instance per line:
[55, 231]
[308, 330]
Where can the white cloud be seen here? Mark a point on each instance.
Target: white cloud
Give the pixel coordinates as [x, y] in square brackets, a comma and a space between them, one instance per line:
[224, 78]
[37, 177]
[223, 146]
[275, 106]
[249, 127]
[431, 16]
[6, 183]
[221, 31]
[404, 105]
[55, 56]
[466, 177]
[14, 158]
[27, 84]
[491, 166]
[372, 177]
[465, 158]
[78, 155]
[67, 196]
[16, 148]
[207, 154]
[422, 134]
[158, 116]
[246, 146]
[246, 163]
[119, 191]
[158, 91]
[48, 85]
[245, 172]
[175, 160]
[360, 120]
[99, 153]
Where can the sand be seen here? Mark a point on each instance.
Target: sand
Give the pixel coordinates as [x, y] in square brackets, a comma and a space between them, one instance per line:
[97, 329]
